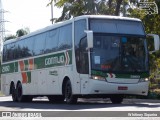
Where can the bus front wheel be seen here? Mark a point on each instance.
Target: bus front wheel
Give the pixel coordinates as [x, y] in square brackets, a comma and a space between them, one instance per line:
[69, 97]
[116, 99]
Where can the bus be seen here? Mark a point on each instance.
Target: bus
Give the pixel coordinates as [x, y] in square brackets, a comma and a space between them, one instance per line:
[88, 56]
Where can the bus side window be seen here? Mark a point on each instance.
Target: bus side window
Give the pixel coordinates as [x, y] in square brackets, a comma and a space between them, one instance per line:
[39, 44]
[29, 47]
[51, 41]
[10, 50]
[4, 53]
[20, 47]
[65, 37]
[15, 50]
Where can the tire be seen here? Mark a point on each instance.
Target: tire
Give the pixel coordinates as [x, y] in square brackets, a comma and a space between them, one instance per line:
[116, 99]
[56, 99]
[13, 93]
[69, 97]
[20, 96]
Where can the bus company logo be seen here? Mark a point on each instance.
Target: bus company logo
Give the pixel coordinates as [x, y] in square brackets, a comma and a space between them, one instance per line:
[148, 8]
[62, 59]
[54, 60]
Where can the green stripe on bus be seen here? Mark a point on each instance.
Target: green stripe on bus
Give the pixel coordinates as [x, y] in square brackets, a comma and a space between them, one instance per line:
[7, 68]
[29, 77]
[58, 59]
[26, 65]
[16, 67]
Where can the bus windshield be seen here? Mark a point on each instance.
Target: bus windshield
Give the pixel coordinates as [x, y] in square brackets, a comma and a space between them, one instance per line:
[119, 54]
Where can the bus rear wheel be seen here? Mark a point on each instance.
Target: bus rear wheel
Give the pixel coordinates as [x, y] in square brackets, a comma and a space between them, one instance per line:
[19, 92]
[116, 99]
[13, 93]
[20, 96]
[69, 97]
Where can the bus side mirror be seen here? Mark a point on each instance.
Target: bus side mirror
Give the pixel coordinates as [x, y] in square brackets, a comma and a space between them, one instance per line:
[89, 38]
[156, 42]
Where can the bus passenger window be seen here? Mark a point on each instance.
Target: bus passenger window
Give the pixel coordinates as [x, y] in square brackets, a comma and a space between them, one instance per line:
[39, 44]
[65, 37]
[52, 41]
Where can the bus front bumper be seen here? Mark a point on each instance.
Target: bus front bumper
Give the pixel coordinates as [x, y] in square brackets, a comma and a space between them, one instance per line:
[102, 87]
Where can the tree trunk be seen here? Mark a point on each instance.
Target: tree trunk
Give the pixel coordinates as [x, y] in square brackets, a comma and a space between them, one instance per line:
[110, 3]
[119, 2]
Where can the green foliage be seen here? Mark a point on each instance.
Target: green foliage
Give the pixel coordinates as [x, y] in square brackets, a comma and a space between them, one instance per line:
[9, 37]
[19, 33]
[72, 8]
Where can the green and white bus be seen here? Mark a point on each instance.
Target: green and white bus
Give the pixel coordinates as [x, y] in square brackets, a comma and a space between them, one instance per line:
[87, 56]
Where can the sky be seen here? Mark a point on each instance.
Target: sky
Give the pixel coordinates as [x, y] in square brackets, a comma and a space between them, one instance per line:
[33, 14]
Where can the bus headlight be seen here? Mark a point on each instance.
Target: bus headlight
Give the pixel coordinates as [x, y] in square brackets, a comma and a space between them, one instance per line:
[143, 80]
[95, 77]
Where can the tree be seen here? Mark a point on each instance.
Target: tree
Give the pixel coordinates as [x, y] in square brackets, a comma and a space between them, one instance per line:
[21, 32]
[117, 11]
[151, 23]
[9, 37]
[73, 8]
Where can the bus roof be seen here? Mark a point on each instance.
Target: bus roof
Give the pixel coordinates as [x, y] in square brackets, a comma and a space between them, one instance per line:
[59, 24]
[107, 17]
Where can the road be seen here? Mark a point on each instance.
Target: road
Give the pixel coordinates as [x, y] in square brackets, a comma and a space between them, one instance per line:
[83, 105]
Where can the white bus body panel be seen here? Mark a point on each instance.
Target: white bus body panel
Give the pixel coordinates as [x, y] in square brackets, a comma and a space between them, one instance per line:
[103, 87]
